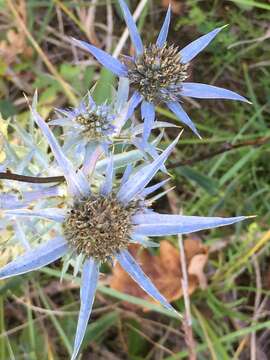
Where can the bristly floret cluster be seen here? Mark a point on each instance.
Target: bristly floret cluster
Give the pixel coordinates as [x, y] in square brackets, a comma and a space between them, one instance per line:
[86, 124]
[99, 226]
[96, 215]
[157, 74]
[95, 124]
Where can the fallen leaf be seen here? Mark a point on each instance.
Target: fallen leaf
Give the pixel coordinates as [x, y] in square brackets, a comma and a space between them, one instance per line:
[164, 269]
[15, 43]
[88, 19]
[196, 266]
[177, 5]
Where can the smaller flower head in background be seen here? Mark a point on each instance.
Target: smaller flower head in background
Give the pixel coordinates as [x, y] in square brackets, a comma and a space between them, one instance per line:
[89, 128]
[95, 121]
[158, 72]
[87, 122]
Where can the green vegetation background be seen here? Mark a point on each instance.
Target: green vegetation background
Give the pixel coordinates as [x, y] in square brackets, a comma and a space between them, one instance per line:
[208, 180]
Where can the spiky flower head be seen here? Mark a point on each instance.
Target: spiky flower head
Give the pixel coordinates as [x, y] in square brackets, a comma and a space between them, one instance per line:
[99, 226]
[89, 129]
[91, 221]
[89, 120]
[158, 72]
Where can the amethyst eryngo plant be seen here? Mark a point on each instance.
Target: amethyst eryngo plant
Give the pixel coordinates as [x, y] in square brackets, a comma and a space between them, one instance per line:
[98, 225]
[158, 72]
[96, 217]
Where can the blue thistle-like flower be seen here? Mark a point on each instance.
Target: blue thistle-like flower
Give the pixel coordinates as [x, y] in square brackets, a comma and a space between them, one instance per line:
[158, 72]
[90, 121]
[99, 226]
[89, 129]
[87, 123]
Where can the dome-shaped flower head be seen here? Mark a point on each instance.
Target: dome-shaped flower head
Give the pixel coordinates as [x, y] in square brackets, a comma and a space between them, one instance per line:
[99, 226]
[158, 72]
[87, 122]
[89, 128]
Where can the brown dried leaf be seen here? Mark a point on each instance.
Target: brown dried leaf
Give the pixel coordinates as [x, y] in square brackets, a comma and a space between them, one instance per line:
[177, 5]
[164, 270]
[88, 20]
[196, 266]
[15, 43]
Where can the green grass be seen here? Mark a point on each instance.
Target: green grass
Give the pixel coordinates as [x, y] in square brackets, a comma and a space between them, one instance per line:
[231, 183]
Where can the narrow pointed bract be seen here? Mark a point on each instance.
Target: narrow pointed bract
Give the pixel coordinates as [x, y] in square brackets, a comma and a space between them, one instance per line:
[148, 116]
[135, 184]
[38, 194]
[160, 224]
[135, 100]
[130, 265]
[90, 159]
[77, 181]
[105, 59]
[90, 274]
[162, 37]
[106, 187]
[180, 113]
[127, 173]
[53, 214]
[134, 34]
[204, 91]
[36, 258]
[149, 190]
[189, 52]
